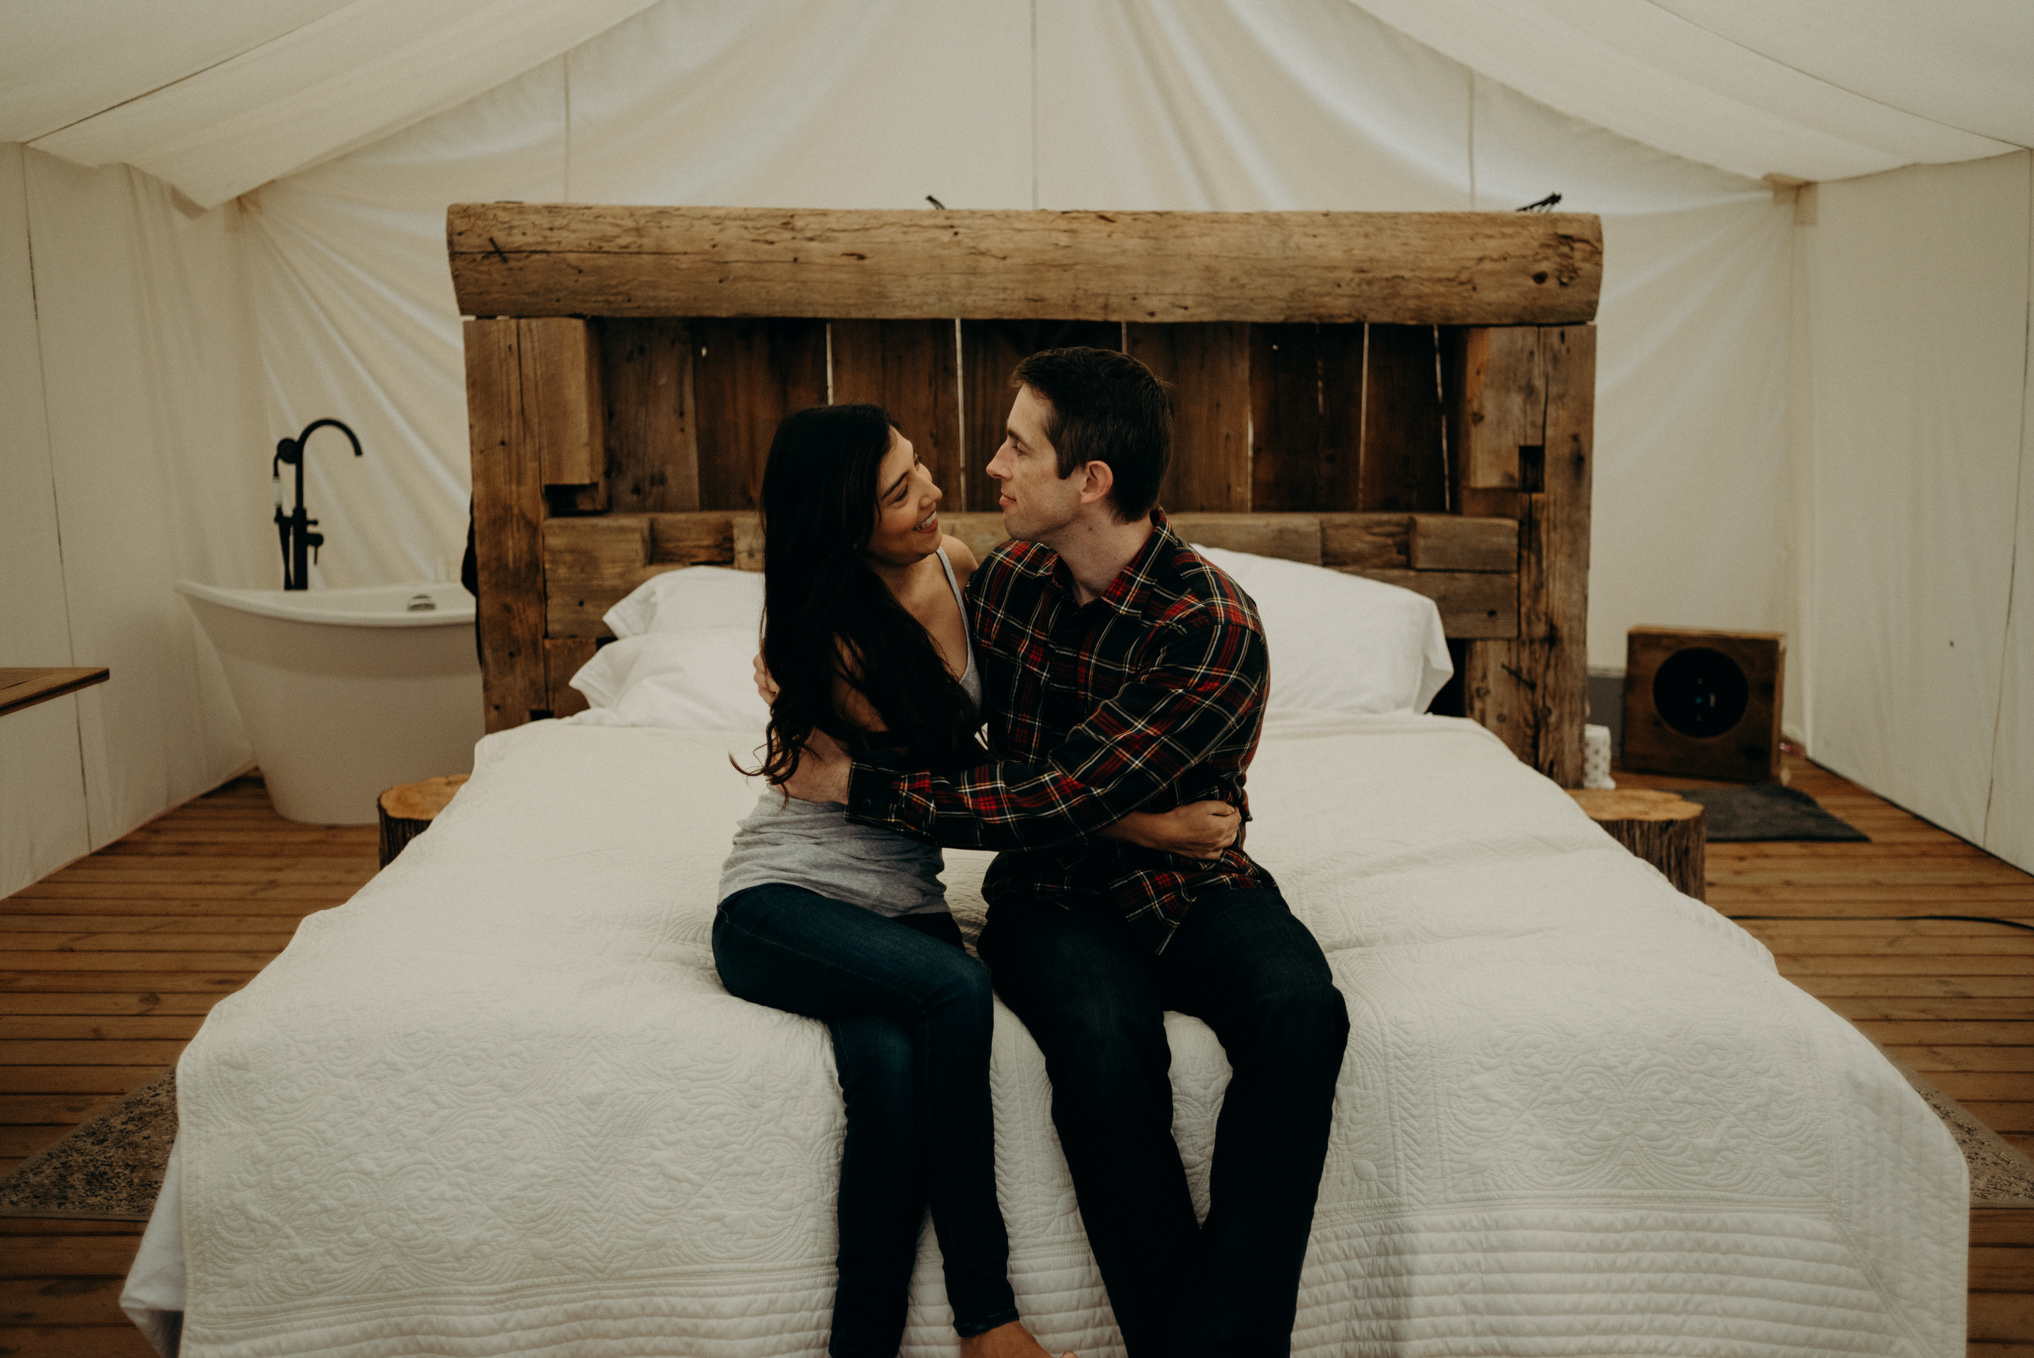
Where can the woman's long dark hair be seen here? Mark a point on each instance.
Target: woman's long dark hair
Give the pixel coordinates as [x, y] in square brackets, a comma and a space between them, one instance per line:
[827, 616]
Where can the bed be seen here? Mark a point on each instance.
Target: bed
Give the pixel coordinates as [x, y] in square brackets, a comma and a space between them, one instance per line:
[499, 1103]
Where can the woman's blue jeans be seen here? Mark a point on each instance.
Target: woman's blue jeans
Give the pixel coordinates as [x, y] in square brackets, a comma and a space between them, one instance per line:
[911, 1015]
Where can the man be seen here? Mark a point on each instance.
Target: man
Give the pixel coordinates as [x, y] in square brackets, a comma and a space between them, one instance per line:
[1123, 672]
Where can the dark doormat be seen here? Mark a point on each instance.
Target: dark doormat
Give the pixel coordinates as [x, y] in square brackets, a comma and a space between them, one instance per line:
[1767, 811]
[108, 1169]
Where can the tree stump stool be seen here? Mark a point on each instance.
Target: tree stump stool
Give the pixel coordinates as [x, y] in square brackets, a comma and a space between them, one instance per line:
[407, 810]
[1667, 831]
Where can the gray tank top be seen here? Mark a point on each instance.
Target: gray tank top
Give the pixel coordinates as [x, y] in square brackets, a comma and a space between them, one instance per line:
[813, 844]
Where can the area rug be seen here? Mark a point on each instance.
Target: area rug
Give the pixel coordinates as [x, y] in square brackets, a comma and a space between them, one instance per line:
[108, 1169]
[1767, 811]
[2000, 1174]
[111, 1168]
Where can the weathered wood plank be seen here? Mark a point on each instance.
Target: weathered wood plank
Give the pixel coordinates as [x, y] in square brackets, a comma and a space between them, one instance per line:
[1292, 537]
[1208, 367]
[1532, 691]
[1473, 604]
[559, 359]
[508, 504]
[1448, 268]
[1402, 465]
[1306, 414]
[1496, 377]
[1368, 541]
[747, 376]
[563, 657]
[592, 562]
[1450, 542]
[911, 369]
[990, 352]
[646, 385]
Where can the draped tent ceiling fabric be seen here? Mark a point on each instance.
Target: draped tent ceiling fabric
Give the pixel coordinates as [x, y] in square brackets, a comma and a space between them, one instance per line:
[332, 135]
[220, 98]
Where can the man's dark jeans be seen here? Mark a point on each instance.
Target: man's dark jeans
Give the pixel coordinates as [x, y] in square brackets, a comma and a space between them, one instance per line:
[1095, 1000]
[911, 1015]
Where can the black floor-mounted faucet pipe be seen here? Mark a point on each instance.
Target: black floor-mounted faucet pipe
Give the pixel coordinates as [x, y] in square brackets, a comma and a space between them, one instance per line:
[299, 544]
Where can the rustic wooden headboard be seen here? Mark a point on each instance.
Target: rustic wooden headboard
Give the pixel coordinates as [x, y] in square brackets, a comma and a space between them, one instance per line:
[1407, 396]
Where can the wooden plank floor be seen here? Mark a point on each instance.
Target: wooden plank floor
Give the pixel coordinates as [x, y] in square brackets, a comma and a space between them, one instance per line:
[112, 963]
[110, 966]
[1954, 999]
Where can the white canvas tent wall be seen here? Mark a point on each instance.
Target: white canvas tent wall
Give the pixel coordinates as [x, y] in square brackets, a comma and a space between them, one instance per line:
[220, 221]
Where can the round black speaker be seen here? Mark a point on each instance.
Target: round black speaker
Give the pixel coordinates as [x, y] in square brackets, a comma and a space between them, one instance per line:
[1700, 692]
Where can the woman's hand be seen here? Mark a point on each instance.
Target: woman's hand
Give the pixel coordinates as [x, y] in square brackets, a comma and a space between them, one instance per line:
[765, 685]
[1196, 830]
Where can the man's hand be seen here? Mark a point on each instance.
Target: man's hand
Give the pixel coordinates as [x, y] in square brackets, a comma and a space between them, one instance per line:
[823, 770]
[765, 685]
[1196, 830]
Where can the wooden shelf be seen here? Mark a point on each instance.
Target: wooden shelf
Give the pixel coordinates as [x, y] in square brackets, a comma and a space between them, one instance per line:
[21, 688]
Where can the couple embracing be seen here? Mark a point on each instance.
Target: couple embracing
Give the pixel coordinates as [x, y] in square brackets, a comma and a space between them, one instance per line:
[1122, 680]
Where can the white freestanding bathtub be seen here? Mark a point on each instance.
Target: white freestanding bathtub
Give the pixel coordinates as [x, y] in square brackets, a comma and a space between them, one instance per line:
[348, 691]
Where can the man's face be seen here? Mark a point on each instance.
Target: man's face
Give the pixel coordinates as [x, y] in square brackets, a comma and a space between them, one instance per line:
[1037, 502]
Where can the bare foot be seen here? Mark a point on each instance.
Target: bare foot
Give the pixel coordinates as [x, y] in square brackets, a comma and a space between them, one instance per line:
[1005, 1341]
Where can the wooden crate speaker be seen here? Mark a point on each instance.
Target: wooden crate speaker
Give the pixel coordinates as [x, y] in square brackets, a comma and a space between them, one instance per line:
[1702, 703]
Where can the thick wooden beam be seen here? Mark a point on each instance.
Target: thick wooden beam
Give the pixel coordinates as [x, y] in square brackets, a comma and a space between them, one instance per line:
[1532, 690]
[508, 504]
[591, 562]
[1432, 268]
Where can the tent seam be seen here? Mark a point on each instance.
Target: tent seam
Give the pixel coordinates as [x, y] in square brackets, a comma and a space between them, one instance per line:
[2019, 488]
[1836, 85]
[168, 84]
[1034, 105]
[1471, 72]
[55, 502]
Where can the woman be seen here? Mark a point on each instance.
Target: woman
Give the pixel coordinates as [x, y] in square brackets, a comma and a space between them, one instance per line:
[866, 637]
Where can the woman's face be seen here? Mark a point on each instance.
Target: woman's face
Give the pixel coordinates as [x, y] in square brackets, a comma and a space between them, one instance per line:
[907, 508]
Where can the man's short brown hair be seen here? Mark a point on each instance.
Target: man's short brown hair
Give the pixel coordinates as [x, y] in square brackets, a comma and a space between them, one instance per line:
[1106, 407]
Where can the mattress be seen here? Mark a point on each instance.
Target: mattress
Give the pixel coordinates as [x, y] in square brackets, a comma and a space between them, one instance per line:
[499, 1102]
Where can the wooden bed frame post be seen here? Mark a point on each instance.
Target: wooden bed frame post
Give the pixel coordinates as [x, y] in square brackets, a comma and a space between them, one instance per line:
[1523, 426]
[539, 442]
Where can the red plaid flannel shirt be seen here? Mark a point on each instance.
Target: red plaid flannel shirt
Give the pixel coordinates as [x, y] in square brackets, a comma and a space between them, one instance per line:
[1147, 697]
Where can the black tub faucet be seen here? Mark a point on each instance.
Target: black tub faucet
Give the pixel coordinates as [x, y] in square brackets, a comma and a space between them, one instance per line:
[299, 544]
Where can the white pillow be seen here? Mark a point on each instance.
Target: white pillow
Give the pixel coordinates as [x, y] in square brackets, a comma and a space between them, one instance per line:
[697, 679]
[690, 596]
[1342, 643]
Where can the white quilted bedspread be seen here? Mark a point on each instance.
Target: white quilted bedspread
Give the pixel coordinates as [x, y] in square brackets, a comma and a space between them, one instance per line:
[500, 1104]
